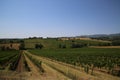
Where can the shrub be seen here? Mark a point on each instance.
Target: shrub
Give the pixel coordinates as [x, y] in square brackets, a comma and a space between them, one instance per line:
[62, 46]
[78, 45]
[22, 46]
[38, 46]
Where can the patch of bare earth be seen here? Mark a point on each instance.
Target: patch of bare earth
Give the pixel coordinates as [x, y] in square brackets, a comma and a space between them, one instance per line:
[12, 75]
[20, 67]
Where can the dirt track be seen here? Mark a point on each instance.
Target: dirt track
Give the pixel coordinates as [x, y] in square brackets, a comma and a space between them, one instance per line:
[20, 67]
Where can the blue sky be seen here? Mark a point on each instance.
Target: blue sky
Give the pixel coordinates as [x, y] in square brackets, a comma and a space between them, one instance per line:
[56, 18]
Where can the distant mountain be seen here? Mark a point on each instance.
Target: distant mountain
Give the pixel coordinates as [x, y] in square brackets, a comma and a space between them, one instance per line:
[101, 35]
[117, 34]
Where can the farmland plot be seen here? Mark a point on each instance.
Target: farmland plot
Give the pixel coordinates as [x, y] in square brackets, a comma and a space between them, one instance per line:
[101, 63]
[22, 67]
[12, 66]
[48, 73]
[59, 64]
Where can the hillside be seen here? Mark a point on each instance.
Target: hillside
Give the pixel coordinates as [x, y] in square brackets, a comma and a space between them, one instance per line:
[55, 42]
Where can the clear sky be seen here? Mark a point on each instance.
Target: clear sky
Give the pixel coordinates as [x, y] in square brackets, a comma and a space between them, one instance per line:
[55, 18]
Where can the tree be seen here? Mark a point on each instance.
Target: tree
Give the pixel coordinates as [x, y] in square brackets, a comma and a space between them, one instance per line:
[78, 45]
[7, 48]
[22, 46]
[38, 46]
[116, 42]
[11, 41]
[62, 46]
[11, 45]
[3, 48]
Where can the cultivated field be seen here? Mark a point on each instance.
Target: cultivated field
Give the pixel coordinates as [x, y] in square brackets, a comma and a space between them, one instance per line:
[55, 62]
[87, 60]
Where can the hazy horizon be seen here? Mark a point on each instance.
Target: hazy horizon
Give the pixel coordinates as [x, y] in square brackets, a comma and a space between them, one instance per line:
[58, 18]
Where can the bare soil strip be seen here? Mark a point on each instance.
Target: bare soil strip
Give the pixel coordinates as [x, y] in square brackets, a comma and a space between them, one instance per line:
[12, 75]
[34, 74]
[20, 67]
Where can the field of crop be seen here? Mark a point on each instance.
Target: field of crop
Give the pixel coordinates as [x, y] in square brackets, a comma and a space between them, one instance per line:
[18, 65]
[12, 62]
[61, 60]
[103, 59]
[7, 57]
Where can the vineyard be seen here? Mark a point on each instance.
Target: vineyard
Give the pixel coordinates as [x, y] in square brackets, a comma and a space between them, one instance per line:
[60, 64]
[7, 59]
[13, 65]
[90, 59]
[18, 65]
[54, 59]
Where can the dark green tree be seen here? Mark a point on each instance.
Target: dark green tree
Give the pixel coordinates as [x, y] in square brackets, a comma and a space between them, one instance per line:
[38, 46]
[22, 46]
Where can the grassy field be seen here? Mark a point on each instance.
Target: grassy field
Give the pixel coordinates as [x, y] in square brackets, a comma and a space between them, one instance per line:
[54, 43]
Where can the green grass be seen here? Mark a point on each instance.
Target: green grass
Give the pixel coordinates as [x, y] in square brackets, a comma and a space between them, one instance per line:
[54, 43]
